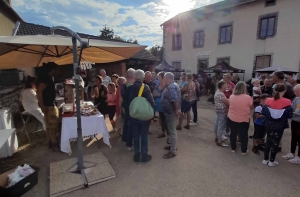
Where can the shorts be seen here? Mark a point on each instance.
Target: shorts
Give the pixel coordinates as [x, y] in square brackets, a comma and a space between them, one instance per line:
[259, 131]
[111, 110]
[186, 106]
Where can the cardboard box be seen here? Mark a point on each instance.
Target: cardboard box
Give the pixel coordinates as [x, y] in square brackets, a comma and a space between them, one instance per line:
[21, 187]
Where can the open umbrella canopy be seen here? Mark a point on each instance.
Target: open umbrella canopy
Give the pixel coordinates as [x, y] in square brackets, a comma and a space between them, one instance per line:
[273, 69]
[32, 51]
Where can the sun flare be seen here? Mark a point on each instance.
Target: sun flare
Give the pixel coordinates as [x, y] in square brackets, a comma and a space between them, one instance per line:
[177, 6]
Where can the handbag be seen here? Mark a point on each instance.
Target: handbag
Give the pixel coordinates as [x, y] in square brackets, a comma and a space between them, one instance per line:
[140, 108]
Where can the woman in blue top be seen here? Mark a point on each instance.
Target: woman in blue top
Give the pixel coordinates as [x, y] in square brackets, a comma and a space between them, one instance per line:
[157, 94]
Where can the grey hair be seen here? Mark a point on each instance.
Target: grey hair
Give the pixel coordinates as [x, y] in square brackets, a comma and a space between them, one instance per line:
[148, 72]
[189, 76]
[297, 87]
[169, 75]
[240, 88]
[103, 71]
[130, 73]
[121, 81]
[139, 75]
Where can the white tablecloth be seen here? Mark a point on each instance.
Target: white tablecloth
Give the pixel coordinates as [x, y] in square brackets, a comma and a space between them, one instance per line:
[91, 126]
[8, 142]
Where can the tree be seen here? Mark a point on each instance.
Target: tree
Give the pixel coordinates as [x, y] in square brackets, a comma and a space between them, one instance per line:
[157, 51]
[107, 33]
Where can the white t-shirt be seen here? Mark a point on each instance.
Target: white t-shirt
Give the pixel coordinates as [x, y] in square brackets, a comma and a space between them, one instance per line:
[106, 80]
[29, 100]
[255, 89]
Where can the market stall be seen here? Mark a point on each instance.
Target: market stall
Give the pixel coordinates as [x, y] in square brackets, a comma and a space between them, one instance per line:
[33, 51]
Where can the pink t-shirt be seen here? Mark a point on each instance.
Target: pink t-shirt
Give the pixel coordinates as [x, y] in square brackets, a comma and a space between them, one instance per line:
[239, 108]
[228, 92]
[111, 99]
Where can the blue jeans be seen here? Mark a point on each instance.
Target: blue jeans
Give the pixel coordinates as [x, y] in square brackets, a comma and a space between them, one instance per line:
[127, 134]
[220, 125]
[195, 111]
[140, 136]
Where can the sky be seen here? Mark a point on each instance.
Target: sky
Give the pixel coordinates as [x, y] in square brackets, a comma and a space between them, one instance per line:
[130, 19]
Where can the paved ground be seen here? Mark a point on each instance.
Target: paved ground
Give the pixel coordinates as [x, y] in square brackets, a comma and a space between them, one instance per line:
[200, 168]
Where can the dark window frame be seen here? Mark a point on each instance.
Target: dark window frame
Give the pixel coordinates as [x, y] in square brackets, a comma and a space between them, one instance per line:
[222, 58]
[267, 17]
[226, 25]
[176, 48]
[202, 59]
[260, 55]
[267, 4]
[194, 43]
[176, 75]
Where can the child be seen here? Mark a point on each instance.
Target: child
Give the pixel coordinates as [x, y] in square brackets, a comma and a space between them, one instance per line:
[295, 127]
[259, 124]
[111, 102]
[256, 89]
[277, 112]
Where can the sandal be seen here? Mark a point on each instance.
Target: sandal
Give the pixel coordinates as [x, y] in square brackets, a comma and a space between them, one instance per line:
[187, 127]
[161, 136]
[178, 128]
[168, 148]
[255, 150]
[169, 155]
[168, 141]
[222, 145]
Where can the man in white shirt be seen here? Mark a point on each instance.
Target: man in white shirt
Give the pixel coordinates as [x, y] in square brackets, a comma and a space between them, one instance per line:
[105, 79]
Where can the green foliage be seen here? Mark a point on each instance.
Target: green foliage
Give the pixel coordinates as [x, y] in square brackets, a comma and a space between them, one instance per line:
[157, 51]
[108, 33]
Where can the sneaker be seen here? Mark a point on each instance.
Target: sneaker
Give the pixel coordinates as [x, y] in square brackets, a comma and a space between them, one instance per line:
[295, 160]
[273, 164]
[137, 158]
[265, 162]
[245, 153]
[288, 156]
[224, 137]
[148, 159]
[193, 123]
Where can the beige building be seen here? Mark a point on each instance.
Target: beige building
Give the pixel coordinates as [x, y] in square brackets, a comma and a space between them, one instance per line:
[247, 34]
[8, 18]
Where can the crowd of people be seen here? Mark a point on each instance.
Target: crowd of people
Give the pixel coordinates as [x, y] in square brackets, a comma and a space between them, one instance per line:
[274, 100]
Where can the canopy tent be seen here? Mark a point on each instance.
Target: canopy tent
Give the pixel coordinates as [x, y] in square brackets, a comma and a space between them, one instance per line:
[33, 51]
[272, 69]
[223, 67]
[164, 66]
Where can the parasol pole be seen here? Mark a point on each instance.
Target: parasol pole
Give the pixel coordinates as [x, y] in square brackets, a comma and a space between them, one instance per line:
[83, 44]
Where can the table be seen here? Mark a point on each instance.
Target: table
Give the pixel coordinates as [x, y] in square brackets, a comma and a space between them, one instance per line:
[91, 126]
[8, 142]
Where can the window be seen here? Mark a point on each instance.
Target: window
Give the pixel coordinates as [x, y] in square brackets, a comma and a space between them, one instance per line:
[225, 34]
[177, 42]
[262, 61]
[270, 2]
[202, 64]
[226, 59]
[199, 39]
[267, 26]
[176, 65]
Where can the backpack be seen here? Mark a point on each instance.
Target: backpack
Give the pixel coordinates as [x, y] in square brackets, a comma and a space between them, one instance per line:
[140, 108]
